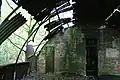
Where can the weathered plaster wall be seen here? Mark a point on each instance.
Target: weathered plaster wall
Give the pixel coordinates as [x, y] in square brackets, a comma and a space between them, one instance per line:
[69, 51]
[110, 52]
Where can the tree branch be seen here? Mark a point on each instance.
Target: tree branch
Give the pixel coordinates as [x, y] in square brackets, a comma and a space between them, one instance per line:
[42, 22]
[15, 45]
[19, 36]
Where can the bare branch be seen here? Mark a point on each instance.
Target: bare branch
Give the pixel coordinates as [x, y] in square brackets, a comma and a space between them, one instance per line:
[19, 36]
[15, 45]
[30, 21]
[28, 39]
[9, 5]
[25, 28]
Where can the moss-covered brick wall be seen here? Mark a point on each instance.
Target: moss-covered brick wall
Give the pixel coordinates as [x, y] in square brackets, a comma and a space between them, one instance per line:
[69, 51]
[109, 53]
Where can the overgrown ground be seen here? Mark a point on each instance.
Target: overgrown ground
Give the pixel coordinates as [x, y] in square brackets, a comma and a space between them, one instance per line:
[51, 76]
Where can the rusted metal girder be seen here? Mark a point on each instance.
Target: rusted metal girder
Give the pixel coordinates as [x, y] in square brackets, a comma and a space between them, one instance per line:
[40, 9]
